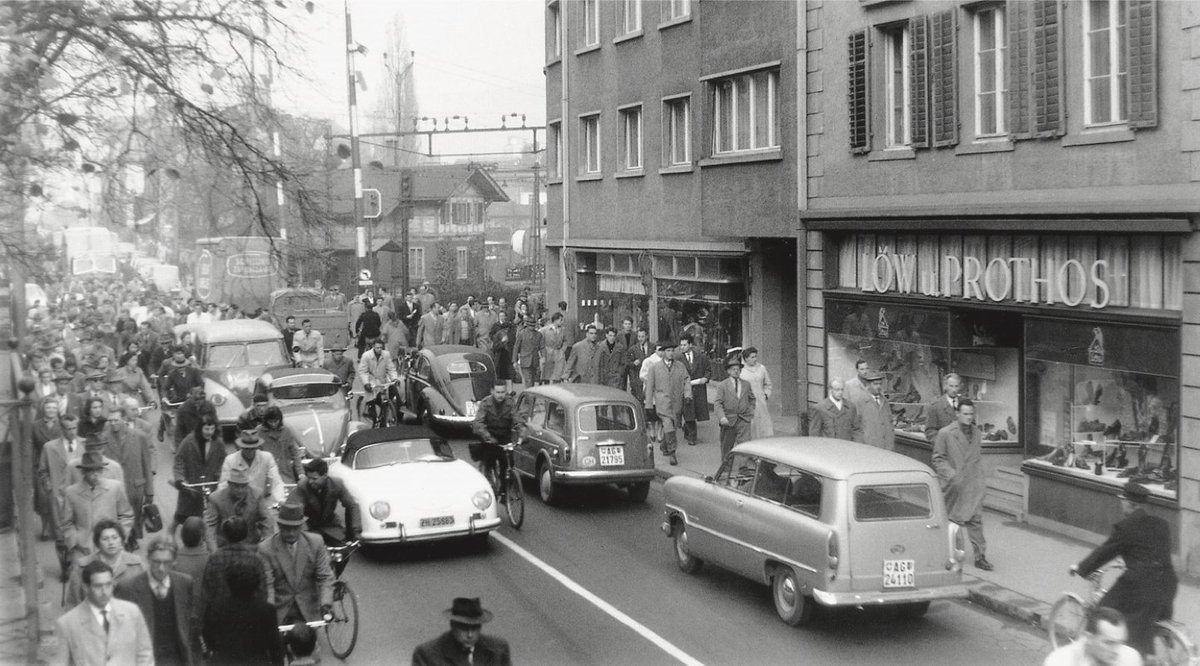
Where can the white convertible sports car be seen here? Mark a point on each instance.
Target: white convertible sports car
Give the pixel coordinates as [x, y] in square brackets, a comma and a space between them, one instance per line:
[410, 487]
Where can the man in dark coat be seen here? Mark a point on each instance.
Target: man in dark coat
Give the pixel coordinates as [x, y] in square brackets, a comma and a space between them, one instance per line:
[610, 360]
[464, 644]
[696, 365]
[168, 602]
[835, 416]
[189, 414]
[942, 412]
[320, 495]
[1145, 593]
[368, 326]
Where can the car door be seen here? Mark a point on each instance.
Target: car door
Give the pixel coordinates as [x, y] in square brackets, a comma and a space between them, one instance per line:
[417, 380]
[556, 433]
[718, 513]
[898, 532]
[783, 521]
[534, 442]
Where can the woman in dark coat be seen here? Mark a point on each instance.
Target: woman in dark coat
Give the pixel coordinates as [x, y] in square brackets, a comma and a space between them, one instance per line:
[1145, 593]
[93, 419]
[199, 460]
[240, 630]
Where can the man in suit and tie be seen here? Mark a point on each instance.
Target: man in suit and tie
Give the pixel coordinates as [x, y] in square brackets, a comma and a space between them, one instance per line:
[464, 644]
[166, 599]
[696, 409]
[835, 416]
[733, 405]
[943, 411]
[875, 414]
[132, 451]
[638, 352]
[856, 388]
[303, 579]
[410, 313]
[667, 391]
[102, 630]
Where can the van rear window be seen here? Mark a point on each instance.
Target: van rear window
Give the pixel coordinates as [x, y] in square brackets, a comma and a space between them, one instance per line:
[606, 418]
[898, 502]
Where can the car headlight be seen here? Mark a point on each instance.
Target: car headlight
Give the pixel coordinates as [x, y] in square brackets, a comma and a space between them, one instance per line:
[380, 510]
[482, 499]
[218, 399]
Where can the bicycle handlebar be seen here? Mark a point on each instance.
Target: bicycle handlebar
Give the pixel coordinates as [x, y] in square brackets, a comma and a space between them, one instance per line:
[315, 624]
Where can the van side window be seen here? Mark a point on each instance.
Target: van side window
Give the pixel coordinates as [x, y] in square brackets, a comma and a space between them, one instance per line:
[737, 473]
[537, 418]
[556, 419]
[789, 486]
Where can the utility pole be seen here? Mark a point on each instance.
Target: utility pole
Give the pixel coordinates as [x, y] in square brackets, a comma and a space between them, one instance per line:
[361, 230]
[536, 223]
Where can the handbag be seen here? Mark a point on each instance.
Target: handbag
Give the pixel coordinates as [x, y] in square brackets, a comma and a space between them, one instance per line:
[151, 518]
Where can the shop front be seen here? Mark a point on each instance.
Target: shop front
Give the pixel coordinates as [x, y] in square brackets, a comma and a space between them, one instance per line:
[1069, 344]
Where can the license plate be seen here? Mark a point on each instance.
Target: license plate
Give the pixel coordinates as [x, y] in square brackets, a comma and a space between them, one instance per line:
[440, 521]
[471, 407]
[612, 455]
[899, 573]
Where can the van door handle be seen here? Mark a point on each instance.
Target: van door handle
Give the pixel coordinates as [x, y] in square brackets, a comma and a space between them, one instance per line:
[932, 526]
[739, 502]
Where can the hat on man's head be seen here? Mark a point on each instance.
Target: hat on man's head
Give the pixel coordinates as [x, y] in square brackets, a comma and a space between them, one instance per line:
[667, 344]
[112, 377]
[290, 513]
[1134, 492]
[249, 440]
[106, 328]
[94, 373]
[91, 460]
[873, 376]
[63, 377]
[239, 475]
[733, 359]
[465, 610]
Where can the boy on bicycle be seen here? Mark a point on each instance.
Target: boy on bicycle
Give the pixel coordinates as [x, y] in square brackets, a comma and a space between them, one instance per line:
[496, 423]
[376, 370]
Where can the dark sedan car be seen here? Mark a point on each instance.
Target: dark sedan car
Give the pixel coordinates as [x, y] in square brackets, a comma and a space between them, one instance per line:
[441, 385]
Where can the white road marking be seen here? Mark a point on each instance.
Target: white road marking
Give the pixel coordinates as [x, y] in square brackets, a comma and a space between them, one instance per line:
[603, 605]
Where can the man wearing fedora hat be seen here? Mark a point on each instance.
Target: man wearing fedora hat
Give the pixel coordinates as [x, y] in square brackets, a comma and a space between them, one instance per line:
[667, 388]
[91, 500]
[464, 644]
[875, 414]
[260, 467]
[237, 498]
[1145, 593]
[300, 570]
[733, 405]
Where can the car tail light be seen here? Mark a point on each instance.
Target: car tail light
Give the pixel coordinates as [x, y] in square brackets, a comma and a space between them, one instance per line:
[831, 546]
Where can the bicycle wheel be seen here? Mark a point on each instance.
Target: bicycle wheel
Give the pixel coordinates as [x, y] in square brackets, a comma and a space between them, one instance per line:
[1172, 647]
[1066, 621]
[514, 499]
[342, 631]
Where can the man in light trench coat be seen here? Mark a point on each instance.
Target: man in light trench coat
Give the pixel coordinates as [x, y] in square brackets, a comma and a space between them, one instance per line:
[958, 461]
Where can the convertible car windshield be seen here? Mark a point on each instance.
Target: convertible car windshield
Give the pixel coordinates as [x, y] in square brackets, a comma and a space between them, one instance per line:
[266, 352]
[382, 454]
[305, 391]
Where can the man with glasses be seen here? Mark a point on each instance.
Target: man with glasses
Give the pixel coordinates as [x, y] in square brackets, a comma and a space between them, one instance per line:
[167, 601]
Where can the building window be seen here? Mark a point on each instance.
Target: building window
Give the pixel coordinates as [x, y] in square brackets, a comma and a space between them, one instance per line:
[589, 131]
[555, 167]
[591, 22]
[629, 16]
[744, 110]
[461, 262]
[416, 262]
[1104, 65]
[895, 41]
[555, 38]
[990, 90]
[677, 131]
[677, 9]
[631, 138]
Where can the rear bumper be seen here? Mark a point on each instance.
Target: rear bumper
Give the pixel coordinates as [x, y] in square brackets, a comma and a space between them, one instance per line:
[584, 477]
[877, 598]
[401, 534]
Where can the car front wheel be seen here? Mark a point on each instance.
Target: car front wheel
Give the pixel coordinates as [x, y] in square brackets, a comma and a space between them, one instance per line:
[790, 603]
[547, 489]
[687, 562]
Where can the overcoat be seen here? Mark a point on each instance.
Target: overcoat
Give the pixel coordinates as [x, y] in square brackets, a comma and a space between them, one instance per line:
[698, 368]
[877, 429]
[82, 642]
[958, 461]
[665, 388]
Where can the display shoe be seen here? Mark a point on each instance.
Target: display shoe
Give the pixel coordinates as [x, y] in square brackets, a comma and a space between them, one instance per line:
[1122, 456]
[982, 563]
[674, 460]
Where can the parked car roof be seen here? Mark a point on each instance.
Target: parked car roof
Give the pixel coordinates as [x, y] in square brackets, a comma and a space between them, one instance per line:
[295, 376]
[576, 393]
[234, 330]
[831, 458]
[362, 438]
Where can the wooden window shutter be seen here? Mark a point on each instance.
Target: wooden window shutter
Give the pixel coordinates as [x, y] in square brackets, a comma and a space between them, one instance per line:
[1018, 66]
[943, 77]
[858, 96]
[1046, 34]
[1141, 50]
[918, 87]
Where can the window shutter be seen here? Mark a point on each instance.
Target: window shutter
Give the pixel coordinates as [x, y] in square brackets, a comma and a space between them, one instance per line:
[943, 78]
[1017, 13]
[1142, 44]
[858, 102]
[1047, 69]
[918, 87]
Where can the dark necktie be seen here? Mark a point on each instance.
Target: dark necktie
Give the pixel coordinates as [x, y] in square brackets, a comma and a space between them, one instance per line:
[104, 615]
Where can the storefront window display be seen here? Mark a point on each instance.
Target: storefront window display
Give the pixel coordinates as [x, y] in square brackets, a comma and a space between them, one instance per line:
[1103, 401]
[915, 347]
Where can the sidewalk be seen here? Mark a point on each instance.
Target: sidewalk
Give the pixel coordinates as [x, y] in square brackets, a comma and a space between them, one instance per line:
[1031, 563]
[12, 607]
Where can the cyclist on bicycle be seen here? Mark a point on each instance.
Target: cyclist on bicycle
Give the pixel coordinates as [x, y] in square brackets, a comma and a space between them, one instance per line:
[320, 495]
[1145, 593]
[377, 371]
[496, 423]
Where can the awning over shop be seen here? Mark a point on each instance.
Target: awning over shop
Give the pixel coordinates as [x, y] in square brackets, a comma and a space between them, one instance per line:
[621, 284]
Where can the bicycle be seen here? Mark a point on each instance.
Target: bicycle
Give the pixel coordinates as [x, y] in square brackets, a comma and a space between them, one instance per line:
[380, 409]
[341, 624]
[509, 491]
[1068, 615]
[205, 488]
